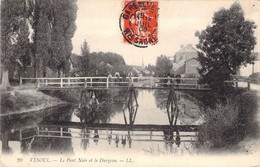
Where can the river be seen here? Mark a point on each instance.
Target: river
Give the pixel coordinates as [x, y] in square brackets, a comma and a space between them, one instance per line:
[151, 110]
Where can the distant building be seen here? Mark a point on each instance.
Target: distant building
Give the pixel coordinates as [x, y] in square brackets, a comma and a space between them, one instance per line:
[185, 53]
[141, 71]
[185, 61]
[75, 63]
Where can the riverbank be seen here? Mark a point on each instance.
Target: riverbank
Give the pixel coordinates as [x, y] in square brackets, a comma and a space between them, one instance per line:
[25, 101]
[230, 122]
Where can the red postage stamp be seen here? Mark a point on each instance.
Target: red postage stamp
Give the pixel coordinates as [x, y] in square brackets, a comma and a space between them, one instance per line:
[139, 22]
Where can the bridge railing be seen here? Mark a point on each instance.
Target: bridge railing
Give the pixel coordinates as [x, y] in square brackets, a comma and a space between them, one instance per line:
[110, 82]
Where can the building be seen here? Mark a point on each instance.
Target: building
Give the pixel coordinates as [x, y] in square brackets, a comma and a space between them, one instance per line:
[185, 62]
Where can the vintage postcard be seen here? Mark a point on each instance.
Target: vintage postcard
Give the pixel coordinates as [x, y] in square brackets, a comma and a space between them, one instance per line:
[130, 83]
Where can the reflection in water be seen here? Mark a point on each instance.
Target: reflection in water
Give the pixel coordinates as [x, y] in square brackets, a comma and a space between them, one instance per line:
[85, 138]
[96, 137]
[105, 109]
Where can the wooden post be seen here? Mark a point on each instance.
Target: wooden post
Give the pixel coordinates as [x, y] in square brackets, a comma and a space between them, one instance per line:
[107, 82]
[21, 135]
[21, 80]
[37, 83]
[91, 82]
[37, 130]
[46, 82]
[61, 82]
[69, 81]
[236, 83]
[248, 85]
[151, 134]
[61, 129]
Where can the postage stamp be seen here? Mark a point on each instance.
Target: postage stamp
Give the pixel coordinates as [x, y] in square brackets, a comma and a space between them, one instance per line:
[139, 23]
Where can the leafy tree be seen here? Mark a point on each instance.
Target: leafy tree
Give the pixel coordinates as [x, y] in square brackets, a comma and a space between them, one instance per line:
[163, 66]
[39, 17]
[14, 35]
[85, 66]
[63, 27]
[100, 63]
[150, 68]
[53, 24]
[225, 46]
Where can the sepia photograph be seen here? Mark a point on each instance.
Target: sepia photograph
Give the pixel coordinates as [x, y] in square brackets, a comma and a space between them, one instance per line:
[130, 83]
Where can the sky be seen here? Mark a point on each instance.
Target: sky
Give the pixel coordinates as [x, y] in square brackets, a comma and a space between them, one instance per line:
[98, 23]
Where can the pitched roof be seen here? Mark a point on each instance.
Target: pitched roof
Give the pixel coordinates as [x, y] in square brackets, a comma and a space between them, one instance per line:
[188, 48]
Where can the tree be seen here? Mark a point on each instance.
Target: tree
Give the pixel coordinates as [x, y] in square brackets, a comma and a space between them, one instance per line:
[225, 46]
[163, 66]
[53, 24]
[39, 17]
[14, 35]
[85, 65]
[63, 28]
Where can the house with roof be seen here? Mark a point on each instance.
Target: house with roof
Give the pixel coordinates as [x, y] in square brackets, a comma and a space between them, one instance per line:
[185, 61]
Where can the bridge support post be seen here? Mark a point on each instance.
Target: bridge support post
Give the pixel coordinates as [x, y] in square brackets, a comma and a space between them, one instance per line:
[61, 82]
[172, 107]
[85, 83]
[37, 130]
[107, 82]
[21, 80]
[37, 83]
[132, 105]
[20, 135]
[61, 129]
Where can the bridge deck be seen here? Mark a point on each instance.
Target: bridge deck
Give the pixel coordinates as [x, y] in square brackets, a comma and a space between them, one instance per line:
[122, 127]
[102, 83]
[121, 87]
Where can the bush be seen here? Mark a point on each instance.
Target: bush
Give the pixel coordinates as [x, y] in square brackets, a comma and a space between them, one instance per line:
[229, 123]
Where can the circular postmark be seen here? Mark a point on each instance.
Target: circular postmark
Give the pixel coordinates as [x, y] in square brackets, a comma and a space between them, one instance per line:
[138, 23]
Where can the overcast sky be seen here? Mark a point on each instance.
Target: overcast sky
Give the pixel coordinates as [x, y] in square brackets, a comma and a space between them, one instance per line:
[98, 23]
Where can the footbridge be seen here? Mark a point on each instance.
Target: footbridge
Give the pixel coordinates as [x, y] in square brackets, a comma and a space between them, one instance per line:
[100, 83]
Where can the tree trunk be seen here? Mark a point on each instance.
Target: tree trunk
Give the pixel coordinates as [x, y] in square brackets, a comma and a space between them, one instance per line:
[5, 144]
[5, 80]
[39, 68]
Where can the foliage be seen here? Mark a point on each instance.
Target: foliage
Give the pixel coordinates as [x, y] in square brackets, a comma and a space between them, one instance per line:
[150, 68]
[225, 46]
[85, 65]
[14, 34]
[100, 63]
[163, 66]
[229, 123]
[53, 24]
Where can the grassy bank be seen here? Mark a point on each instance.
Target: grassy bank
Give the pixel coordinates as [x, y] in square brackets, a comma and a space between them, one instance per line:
[229, 122]
[18, 101]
